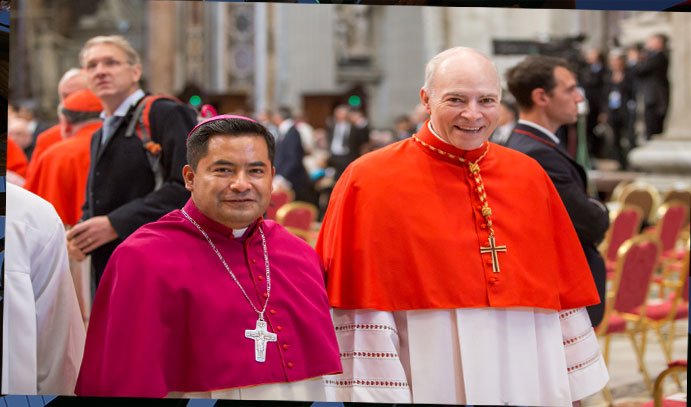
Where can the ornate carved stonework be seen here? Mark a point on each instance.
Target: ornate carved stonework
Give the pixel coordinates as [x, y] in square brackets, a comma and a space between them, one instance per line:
[239, 60]
[354, 45]
[353, 30]
[194, 43]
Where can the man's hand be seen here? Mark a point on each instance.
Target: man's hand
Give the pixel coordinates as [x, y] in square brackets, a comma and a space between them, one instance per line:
[89, 235]
[74, 253]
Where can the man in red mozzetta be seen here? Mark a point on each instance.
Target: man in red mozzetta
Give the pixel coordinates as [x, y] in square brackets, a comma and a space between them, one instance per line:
[454, 269]
[211, 300]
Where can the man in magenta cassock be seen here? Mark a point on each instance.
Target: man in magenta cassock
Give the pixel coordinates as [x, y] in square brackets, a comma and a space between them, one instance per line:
[212, 300]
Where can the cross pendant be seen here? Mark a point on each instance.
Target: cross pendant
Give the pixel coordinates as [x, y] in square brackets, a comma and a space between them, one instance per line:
[261, 336]
[493, 249]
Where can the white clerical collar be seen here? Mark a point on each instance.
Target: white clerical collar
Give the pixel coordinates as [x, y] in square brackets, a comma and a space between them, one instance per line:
[542, 129]
[285, 126]
[237, 233]
[125, 105]
[429, 126]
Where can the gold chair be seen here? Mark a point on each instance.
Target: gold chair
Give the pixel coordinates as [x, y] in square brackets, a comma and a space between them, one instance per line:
[279, 197]
[676, 400]
[663, 312]
[624, 224]
[682, 195]
[671, 220]
[298, 218]
[643, 195]
[626, 298]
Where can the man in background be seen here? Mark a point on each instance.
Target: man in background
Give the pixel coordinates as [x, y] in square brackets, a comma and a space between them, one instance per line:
[122, 191]
[547, 95]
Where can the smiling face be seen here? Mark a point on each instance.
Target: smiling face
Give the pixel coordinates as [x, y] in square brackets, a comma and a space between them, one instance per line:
[232, 182]
[462, 99]
[110, 75]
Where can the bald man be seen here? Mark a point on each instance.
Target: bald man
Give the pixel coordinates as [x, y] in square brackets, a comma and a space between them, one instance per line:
[72, 80]
[454, 270]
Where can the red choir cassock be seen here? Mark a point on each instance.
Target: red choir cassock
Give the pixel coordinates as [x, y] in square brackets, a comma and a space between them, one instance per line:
[61, 172]
[45, 139]
[407, 235]
[16, 159]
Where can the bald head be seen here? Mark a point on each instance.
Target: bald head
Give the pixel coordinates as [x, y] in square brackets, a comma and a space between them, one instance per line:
[18, 130]
[73, 80]
[441, 63]
[461, 94]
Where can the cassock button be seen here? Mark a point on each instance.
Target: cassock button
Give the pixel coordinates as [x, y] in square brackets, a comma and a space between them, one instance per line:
[265, 295]
[290, 365]
[260, 278]
[285, 346]
[272, 311]
[254, 261]
[279, 328]
[488, 262]
[483, 226]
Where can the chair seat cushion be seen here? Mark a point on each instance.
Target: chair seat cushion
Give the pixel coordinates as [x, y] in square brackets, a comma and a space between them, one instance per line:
[617, 324]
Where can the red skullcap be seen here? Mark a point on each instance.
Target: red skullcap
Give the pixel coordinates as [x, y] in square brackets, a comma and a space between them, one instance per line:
[83, 101]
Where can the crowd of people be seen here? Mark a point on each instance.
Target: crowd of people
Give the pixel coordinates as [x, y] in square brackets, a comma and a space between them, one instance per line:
[627, 92]
[196, 295]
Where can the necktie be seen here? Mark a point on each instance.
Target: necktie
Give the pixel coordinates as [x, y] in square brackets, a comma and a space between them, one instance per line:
[110, 124]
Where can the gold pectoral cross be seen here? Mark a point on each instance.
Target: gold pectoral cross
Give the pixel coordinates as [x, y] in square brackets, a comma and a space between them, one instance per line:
[493, 249]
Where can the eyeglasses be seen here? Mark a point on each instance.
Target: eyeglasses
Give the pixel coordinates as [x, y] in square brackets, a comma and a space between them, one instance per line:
[108, 63]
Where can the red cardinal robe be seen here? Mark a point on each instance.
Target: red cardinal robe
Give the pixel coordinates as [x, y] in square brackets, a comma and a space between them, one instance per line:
[61, 171]
[16, 159]
[404, 229]
[45, 139]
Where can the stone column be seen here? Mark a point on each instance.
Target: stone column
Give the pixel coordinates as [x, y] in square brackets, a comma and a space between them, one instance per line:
[671, 152]
[159, 66]
[261, 42]
[679, 120]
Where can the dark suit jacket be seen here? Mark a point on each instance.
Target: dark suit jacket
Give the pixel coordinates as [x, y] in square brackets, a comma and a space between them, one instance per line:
[288, 163]
[121, 181]
[653, 81]
[589, 219]
[355, 139]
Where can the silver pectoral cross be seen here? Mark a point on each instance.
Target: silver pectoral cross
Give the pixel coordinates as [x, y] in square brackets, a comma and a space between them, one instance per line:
[261, 336]
[493, 248]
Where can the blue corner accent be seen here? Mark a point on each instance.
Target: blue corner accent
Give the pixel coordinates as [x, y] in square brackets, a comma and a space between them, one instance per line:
[16, 401]
[201, 403]
[639, 5]
[5, 20]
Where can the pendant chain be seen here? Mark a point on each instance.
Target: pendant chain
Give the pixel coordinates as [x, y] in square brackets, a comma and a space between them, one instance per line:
[220, 257]
[474, 168]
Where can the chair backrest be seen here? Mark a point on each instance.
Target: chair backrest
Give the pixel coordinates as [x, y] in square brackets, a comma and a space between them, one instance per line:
[279, 197]
[302, 234]
[671, 221]
[682, 195]
[637, 259]
[674, 367]
[300, 215]
[642, 195]
[618, 190]
[625, 224]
